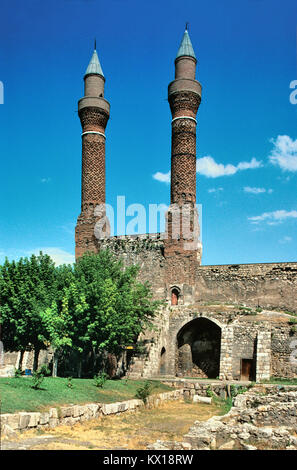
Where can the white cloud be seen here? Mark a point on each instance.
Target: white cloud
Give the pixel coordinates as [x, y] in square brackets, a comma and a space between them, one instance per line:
[208, 167]
[58, 255]
[248, 189]
[273, 218]
[285, 239]
[215, 190]
[163, 177]
[284, 153]
[45, 180]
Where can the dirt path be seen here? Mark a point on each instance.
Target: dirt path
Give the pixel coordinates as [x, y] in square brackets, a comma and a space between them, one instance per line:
[133, 430]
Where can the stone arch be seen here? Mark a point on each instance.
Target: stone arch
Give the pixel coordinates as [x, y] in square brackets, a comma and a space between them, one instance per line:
[199, 348]
[175, 295]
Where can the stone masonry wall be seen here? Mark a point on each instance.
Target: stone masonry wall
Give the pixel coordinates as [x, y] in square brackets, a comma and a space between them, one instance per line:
[283, 351]
[271, 285]
[71, 414]
[147, 251]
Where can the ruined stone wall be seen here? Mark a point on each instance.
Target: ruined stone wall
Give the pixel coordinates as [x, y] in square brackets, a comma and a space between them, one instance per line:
[271, 285]
[147, 251]
[283, 351]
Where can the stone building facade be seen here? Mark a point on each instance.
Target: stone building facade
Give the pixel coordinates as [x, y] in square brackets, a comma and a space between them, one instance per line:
[227, 321]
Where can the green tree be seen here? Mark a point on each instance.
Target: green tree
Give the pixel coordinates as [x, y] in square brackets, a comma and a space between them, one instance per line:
[60, 320]
[119, 306]
[27, 287]
[95, 306]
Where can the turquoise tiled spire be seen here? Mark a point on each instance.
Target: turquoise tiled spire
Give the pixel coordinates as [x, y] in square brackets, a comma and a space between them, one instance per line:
[186, 48]
[94, 65]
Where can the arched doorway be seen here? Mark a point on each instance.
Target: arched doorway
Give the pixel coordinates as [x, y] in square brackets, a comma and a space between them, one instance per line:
[174, 297]
[162, 369]
[199, 349]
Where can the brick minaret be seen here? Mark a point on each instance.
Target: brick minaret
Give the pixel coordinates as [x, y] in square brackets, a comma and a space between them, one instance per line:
[184, 95]
[93, 111]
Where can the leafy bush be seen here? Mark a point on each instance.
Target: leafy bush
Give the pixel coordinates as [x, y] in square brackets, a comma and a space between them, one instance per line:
[144, 391]
[18, 373]
[209, 392]
[37, 379]
[44, 369]
[69, 382]
[100, 379]
[237, 390]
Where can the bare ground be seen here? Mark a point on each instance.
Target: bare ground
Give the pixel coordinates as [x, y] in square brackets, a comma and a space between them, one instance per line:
[133, 431]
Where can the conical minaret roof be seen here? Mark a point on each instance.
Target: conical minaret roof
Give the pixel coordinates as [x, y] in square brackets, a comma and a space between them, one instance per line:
[186, 48]
[94, 65]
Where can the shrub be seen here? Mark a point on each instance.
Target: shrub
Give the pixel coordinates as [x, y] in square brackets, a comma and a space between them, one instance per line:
[37, 379]
[44, 369]
[144, 391]
[100, 379]
[18, 373]
[209, 392]
[237, 390]
[69, 382]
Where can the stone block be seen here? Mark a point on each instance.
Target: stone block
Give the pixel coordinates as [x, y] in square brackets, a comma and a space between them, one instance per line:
[44, 418]
[12, 420]
[110, 408]
[93, 409]
[53, 413]
[78, 410]
[199, 399]
[227, 445]
[24, 420]
[123, 407]
[8, 431]
[34, 420]
[53, 422]
[66, 411]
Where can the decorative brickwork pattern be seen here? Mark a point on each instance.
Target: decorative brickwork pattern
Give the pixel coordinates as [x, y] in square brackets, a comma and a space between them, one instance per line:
[93, 170]
[181, 247]
[93, 121]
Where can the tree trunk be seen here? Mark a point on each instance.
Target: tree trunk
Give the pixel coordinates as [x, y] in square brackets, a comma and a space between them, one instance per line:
[19, 365]
[35, 361]
[55, 364]
[79, 368]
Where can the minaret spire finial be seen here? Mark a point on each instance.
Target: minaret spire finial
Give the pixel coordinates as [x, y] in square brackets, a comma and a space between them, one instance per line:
[186, 48]
[95, 44]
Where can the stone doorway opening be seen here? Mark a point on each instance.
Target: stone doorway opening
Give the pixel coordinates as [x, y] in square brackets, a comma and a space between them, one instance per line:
[162, 364]
[199, 349]
[247, 369]
[174, 297]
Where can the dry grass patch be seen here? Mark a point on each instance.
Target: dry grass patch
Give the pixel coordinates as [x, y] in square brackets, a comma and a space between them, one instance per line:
[134, 430]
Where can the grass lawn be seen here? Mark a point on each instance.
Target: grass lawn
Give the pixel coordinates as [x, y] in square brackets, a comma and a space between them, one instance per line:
[16, 394]
[280, 381]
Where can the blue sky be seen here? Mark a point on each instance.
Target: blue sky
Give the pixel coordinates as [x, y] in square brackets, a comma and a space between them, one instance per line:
[246, 134]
